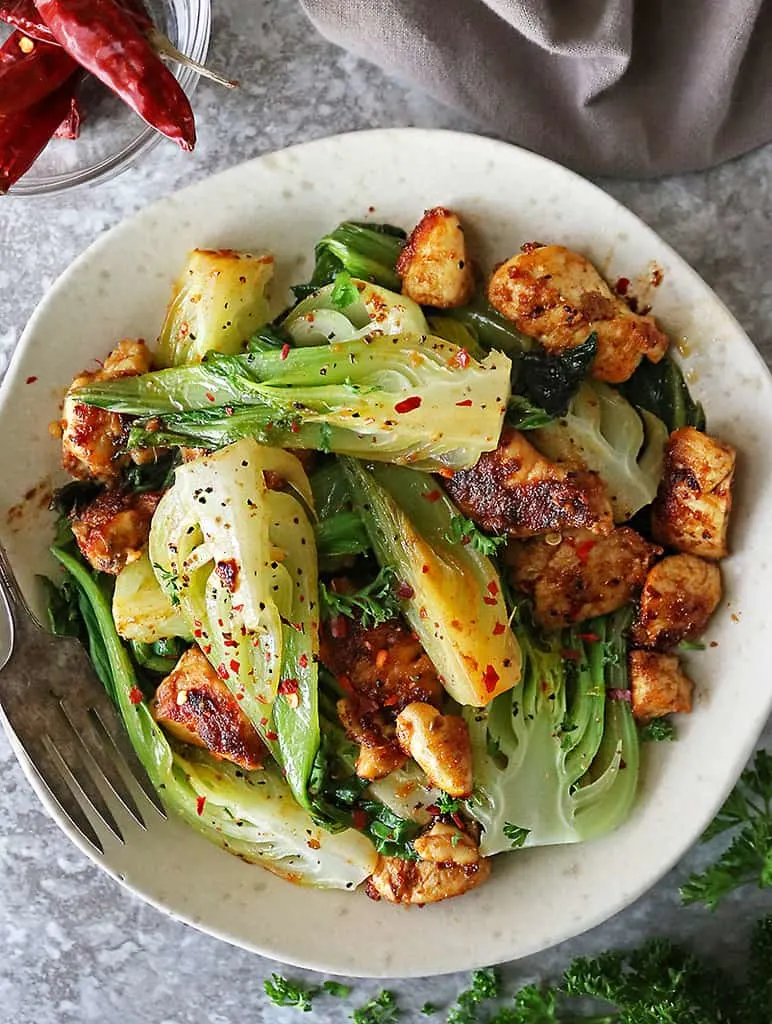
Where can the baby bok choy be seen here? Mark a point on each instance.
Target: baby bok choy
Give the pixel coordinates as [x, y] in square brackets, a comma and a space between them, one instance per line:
[366, 251]
[556, 760]
[408, 398]
[239, 562]
[218, 303]
[449, 592]
[252, 814]
[623, 445]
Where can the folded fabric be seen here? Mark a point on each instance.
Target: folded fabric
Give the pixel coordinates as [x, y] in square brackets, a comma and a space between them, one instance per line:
[606, 86]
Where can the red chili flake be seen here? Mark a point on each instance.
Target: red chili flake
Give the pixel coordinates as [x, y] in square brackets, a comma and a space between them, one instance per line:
[461, 358]
[230, 642]
[499, 628]
[493, 588]
[234, 665]
[583, 550]
[389, 702]
[345, 683]
[197, 633]
[457, 820]
[210, 396]
[570, 655]
[295, 427]
[591, 638]
[465, 404]
[272, 736]
[288, 686]
[433, 809]
[222, 671]
[408, 404]
[359, 819]
[285, 351]
[424, 568]
[490, 600]
[31, 380]
[228, 410]
[490, 678]
[263, 721]
[445, 472]
[207, 649]
[423, 614]
[303, 661]
[200, 802]
[432, 495]
[624, 695]
[135, 695]
[405, 591]
[622, 285]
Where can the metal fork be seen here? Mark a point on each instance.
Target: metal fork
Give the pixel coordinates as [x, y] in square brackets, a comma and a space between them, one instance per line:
[55, 707]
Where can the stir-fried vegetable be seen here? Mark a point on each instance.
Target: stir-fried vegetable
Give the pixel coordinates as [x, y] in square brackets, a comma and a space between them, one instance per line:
[409, 398]
[556, 760]
[450, 593]
[219, 301]
[604, 432]
[142, 610]
[252, 814]
[661, 389]
[366, 251]
[239, 561]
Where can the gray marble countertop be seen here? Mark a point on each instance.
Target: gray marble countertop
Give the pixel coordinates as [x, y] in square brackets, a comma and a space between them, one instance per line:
[77, 949]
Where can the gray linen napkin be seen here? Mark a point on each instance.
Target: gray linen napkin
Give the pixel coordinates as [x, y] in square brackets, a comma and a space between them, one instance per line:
[632, 87]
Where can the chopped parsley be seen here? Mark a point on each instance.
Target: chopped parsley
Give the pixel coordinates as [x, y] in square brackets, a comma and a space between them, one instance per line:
[283, 992]
[344, 291]
[428, 1009]
[658, 730]
[484, 987]
[382, 1009]
[336, 989]
[372, 605]
[465, 531]
[447, 804]
[516, 834]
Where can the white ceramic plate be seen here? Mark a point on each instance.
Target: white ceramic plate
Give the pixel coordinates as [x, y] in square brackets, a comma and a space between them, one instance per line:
[284, 202]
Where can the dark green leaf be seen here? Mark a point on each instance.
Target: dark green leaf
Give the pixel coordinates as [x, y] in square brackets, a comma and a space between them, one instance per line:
[660, 388]
[283, 992]
[515, 834]
[382, 1009]
[344, 291]
[551, 381]
[337, 989]
[658, 730]
[522, 414]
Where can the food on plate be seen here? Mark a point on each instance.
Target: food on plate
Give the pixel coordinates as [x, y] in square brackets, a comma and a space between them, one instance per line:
[394, 581]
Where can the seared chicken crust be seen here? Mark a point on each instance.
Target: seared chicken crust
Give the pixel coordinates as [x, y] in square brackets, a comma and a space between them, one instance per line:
[658, 684]
[691, 511]
[112, 530]
[194, 705]
[557, 296]
[516, 490]
[423, 881]
[678, 598]
[440, 745]
[434, 264]
[379, 752]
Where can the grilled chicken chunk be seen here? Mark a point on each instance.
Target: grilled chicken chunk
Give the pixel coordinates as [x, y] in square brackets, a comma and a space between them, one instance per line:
[678, 598]
[379, 752]
[91, 437]
[557, 296]
[195, 705]
[446, 844]
[440, 745]
[658, 684]
[691, 511]
[113, 529]
[516, 490]
[581, 576]
[424, 881]
[434, 265]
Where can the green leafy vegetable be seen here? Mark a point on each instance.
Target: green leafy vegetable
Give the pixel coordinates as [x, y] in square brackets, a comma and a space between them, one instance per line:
[336, 989]
[401, 399]
[602, 430]
[372, 604]
[450, 594]
[522, 414]
[551, 381]
[748, 859]
[489, 328]
[241, 561]
[484, 987]
[344, 291]
[466, 531]
[658, 730]
[253, 814]
[382, 1009]
[660, 388]
[428, 1009]
[565, 762]
[220, 300]
[367, 251]
[144, 608]
[283, 992]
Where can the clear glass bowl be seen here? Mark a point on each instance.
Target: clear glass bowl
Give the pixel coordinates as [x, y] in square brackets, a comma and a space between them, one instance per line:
[112, 136]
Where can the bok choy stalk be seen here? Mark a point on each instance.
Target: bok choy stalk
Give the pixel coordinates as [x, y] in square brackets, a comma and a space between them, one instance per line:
[556, 760]
[367, 251]
[605, 433]
[409, 398]
[350, 308]
[239, 562]
[252, 814]
[142, 610]
[220, 300]
[450, 593]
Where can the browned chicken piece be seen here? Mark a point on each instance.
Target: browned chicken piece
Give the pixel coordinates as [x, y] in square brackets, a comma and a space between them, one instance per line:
[440, 745]
[580, 576]
[424, 881]
[557, 296]
[113, 529]
[91, 437]
[446, 844]
[691, 511]
[434, 265]
[678, 598]
[379, 752]
[516, 490]
[385, 665]
[658, 685]
[194, 705]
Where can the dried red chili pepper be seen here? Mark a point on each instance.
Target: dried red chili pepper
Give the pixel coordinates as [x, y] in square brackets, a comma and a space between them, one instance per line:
[30, 71]
[104, 39]
[23, 14]
[70, 126]
[24, 135]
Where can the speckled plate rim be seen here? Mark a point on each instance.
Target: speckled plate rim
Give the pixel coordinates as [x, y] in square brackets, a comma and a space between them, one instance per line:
[506, 195]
